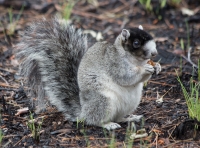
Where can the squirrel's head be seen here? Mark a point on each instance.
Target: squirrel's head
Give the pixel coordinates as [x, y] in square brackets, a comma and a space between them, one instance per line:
[138, 42]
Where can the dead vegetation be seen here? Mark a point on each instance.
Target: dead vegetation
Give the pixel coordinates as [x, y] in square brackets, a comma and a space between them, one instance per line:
[175, 28]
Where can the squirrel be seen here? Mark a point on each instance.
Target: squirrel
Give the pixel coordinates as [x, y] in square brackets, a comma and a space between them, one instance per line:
[100, 85]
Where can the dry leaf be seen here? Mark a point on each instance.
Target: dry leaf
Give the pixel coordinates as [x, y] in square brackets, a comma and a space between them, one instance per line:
[186, 11]
[161, 142]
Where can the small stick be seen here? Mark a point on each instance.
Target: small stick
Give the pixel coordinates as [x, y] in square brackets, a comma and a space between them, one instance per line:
[8, 89]
[4, 80]
[162, 83]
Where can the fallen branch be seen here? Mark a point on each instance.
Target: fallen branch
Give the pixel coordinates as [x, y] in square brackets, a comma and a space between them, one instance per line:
[164, 84]
[4, 80]
[7, 85]
[189, 59]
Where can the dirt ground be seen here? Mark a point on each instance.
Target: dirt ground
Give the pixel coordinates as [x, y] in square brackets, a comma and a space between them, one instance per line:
[167, 122]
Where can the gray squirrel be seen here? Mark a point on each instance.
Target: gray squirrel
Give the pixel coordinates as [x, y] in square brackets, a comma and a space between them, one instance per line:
[100, 85]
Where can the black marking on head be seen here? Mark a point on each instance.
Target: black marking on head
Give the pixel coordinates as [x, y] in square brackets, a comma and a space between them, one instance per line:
[139, 36]
[137, 39]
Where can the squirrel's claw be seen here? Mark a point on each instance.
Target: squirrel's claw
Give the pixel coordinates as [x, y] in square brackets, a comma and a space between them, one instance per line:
[149, 68]
[157, 68]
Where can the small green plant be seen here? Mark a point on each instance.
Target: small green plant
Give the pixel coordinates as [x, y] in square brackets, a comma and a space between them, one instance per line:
[1, 136]
[81, 128]
[146, 4]
[181, 60]
[83, 131]
[78, 122]
[199, 70]
[174, 3]
[1, 133]
[13, 23]
[163, 3]
[67, 8]
[192, 98]
[35, 128]
[157, 10]
[188, 35]
[183, 46]
[129, 131]
[112, 140]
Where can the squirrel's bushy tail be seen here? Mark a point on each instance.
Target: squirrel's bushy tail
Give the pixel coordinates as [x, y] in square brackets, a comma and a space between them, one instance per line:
[50, 53]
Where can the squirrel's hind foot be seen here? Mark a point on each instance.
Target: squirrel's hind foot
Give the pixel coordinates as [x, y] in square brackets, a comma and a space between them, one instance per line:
[132, 118]
[111, 126]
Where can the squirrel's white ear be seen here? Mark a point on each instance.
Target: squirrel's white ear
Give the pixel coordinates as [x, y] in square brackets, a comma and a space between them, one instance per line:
[140, 27]
[125, 34]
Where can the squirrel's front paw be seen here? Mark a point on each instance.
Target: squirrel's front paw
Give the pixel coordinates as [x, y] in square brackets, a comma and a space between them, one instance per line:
[157, 68]
[149, 69]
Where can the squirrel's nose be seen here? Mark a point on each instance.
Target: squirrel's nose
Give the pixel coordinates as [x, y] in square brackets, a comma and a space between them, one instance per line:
[153, 54]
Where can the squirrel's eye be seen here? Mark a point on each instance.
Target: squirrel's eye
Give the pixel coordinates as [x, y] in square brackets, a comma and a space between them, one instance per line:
[136, 43]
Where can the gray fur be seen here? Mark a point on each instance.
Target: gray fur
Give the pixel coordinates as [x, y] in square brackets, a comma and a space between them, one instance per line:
[50, 53]
[101, 85]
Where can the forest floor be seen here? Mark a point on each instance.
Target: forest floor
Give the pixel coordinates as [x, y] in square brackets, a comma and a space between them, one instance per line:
[166, 119]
